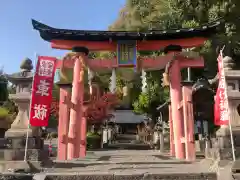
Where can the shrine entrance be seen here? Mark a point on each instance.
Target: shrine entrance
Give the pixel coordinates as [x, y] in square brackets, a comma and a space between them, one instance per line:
[72, 132]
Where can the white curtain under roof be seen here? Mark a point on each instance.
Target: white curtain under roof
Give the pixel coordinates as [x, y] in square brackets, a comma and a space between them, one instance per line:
[127, 116]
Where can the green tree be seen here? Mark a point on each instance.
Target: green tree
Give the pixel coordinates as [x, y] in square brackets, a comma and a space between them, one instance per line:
[3, 87]
[142, 15]
[147, 103]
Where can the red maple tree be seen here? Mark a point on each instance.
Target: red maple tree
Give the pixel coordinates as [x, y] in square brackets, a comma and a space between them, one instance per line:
[96, 110]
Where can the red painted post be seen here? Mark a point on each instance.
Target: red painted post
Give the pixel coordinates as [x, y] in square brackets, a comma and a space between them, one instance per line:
[83, 136]
[189, 123]
[74, 123]
[63, 124]
[172, 149]
[176, 97]
[186, 119]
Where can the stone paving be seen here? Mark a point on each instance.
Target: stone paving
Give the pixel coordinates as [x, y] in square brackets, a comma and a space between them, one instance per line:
[129, 162]
[129, 165]
[137, 162]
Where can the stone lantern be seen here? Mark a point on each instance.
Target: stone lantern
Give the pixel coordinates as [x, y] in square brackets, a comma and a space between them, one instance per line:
[23, 82]
[222, 149]
[16, 136]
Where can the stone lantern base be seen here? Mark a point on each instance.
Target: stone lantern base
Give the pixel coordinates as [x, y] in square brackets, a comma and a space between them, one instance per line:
[12, 150]
[222, 147]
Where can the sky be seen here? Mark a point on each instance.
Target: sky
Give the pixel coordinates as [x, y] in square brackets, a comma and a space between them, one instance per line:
[18, 40]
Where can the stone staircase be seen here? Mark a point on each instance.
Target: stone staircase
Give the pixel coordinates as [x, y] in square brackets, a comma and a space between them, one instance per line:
[128, 141]
[124, 165]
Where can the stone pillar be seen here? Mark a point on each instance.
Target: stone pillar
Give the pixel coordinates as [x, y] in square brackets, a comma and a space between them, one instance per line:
[63, 122]
[188, 122]
[176, 97]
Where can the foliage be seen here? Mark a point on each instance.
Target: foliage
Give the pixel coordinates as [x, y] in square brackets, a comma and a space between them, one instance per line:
[11, 89]
[93, 140]
[97, 111]
[155, 95]
[55, 107]
[4, 112]
[93, 135]
[141, 15]
[3, 88]
[10, 106]
[53, 121]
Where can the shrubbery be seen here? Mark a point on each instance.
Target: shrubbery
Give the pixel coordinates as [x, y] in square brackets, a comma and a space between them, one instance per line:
[4, 113]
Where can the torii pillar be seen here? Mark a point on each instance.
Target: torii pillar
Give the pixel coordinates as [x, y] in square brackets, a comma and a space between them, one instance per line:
[63, 122]
[172, 148]
[176, 97]
[188, 121]
[77, 140]
[177, 63]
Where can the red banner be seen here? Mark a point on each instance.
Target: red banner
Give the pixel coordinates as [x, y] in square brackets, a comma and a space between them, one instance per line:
[221, 114]
[42, 91]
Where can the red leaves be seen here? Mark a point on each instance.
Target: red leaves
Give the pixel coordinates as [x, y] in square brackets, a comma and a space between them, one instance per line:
[55, 107]
[97, 110]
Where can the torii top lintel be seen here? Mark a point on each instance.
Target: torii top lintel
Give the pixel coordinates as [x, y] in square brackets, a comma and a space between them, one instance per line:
[107, 40]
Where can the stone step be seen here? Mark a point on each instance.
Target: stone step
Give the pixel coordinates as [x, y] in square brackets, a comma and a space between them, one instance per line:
[77, 176]
[129, 146]
[24, 166]
[126, 137]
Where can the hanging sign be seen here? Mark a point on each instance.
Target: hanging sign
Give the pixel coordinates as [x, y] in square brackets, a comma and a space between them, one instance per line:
[42, 91]
[221, 110]
[126, 53]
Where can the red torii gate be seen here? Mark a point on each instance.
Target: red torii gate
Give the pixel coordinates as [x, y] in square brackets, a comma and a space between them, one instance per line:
[83, 41]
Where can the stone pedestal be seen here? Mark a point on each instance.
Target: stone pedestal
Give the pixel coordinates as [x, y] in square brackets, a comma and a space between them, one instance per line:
[222, 148]
[19, 127]
[15, 148]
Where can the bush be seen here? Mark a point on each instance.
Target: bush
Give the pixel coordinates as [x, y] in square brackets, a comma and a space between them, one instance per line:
[93, 140]
[4, 113]
[10, 106]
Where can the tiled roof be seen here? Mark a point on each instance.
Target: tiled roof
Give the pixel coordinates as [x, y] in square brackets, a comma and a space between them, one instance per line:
[49, 33]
